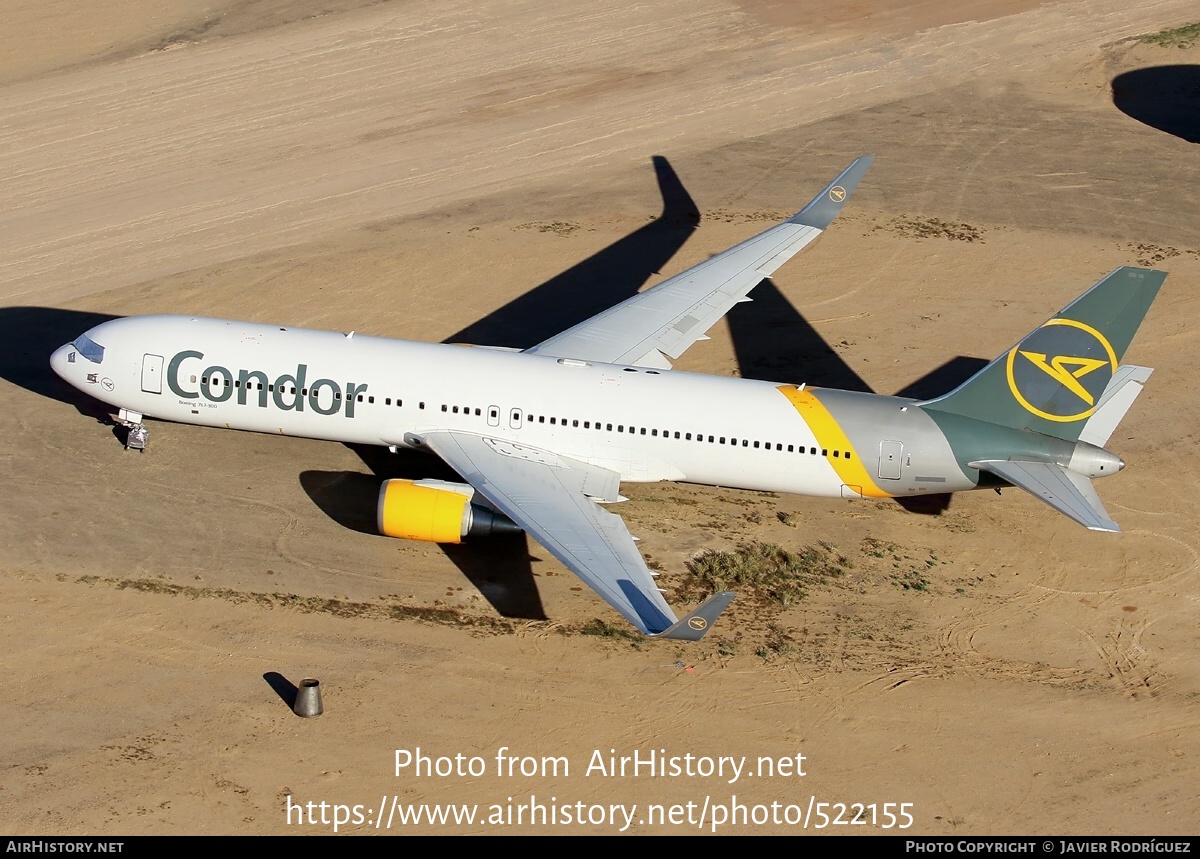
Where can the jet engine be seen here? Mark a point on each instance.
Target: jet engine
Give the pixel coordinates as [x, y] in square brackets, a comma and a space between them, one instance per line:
[437, 512]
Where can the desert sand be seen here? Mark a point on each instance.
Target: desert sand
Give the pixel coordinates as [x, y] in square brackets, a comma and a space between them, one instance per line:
[440, 172]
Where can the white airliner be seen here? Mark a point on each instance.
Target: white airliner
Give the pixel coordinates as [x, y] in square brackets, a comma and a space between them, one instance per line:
[543, 437]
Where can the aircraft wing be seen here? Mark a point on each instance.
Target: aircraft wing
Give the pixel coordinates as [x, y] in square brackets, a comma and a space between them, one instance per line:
[662, 322]
[550, 498]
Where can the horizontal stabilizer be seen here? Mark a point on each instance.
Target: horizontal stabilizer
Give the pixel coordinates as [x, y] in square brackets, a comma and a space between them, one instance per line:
[1067, 492]
[693, 627]
[1122, 390]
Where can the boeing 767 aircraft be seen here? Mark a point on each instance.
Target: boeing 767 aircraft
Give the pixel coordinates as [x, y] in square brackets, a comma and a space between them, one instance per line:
[544, 437]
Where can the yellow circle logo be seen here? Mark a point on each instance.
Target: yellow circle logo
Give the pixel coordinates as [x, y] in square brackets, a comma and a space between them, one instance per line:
[1060, 370]
[837, 193]
[698, 623]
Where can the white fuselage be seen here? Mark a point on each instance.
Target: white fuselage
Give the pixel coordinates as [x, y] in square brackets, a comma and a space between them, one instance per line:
[644, 424]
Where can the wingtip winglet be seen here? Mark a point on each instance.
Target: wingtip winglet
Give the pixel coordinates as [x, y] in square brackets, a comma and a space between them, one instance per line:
[697, 623]
[824, 207]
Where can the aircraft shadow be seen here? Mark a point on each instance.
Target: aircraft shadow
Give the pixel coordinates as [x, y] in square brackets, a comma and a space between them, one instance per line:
[28, 336]
[773, 342]
[1163, 97]
[944, 379]
[606, 278]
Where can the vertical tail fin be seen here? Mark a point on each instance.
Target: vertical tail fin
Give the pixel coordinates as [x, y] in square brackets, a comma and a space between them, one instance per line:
[1052, 380]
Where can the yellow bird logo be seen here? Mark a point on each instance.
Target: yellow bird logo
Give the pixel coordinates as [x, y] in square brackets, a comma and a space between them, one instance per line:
[1067, 371]
[1073, 372]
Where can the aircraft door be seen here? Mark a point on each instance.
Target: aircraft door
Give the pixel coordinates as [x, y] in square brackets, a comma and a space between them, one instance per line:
[493, 416]
[514, 419]
[152, 367]
[890, 455]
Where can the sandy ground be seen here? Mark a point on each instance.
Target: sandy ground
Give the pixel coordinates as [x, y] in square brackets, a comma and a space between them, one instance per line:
[425, 170]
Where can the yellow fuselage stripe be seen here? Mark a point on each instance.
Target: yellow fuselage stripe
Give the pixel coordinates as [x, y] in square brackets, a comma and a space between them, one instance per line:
[830, 436]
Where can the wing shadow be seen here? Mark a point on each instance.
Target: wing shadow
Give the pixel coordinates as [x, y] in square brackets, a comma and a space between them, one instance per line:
[596, 284]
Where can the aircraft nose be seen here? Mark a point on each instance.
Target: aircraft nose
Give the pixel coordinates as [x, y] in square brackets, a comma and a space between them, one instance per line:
[1120, 464]
[58, 361]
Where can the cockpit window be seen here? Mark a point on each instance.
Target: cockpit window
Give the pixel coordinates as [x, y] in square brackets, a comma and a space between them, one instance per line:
[89, 348]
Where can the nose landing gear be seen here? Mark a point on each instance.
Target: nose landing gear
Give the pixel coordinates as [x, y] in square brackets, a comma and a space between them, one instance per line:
[137, 435]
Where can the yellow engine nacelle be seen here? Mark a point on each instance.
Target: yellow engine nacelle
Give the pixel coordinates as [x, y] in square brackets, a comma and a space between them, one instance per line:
[435, 511]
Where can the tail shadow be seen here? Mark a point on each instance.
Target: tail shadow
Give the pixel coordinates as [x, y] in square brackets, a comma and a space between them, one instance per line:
[774, 343]
[944, 379]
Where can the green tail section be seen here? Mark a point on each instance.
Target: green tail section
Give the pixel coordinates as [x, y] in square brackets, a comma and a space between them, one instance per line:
[1051, 381]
